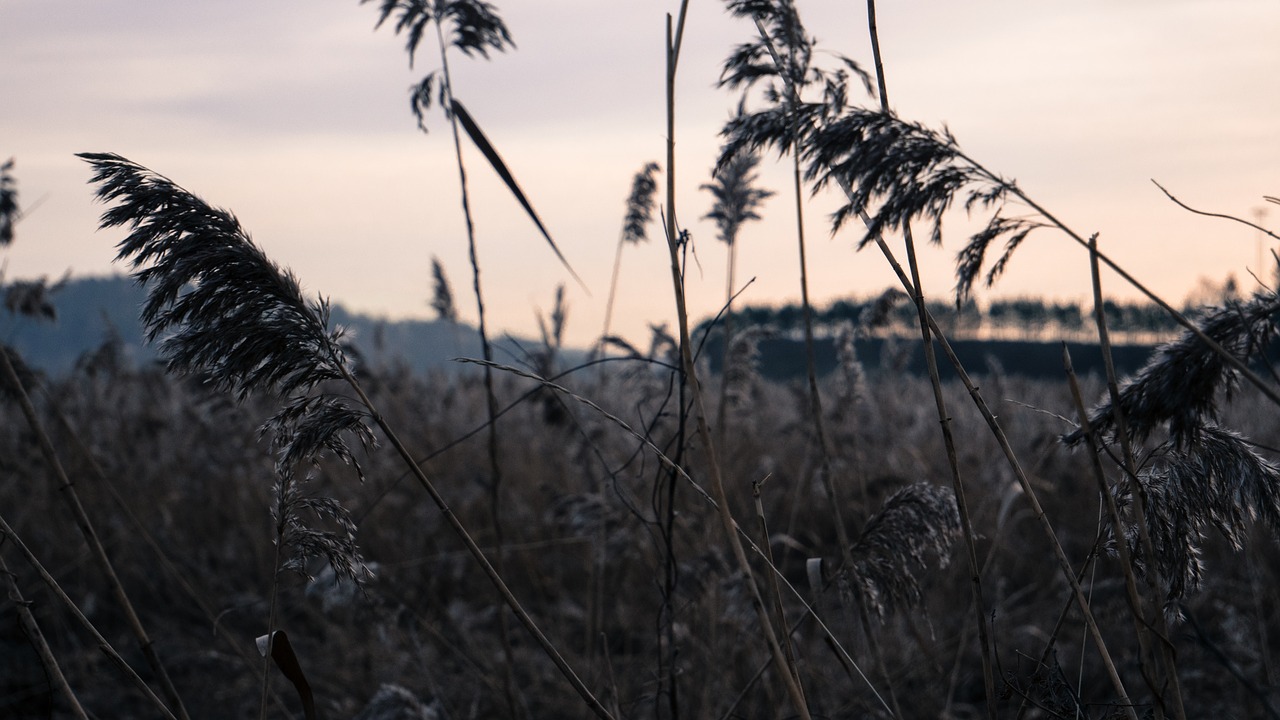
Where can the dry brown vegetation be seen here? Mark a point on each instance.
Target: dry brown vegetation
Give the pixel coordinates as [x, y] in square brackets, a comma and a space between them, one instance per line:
[865, 544]
[586, 554]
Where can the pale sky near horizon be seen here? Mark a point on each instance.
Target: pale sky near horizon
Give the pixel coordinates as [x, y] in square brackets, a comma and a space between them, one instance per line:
[294, 114]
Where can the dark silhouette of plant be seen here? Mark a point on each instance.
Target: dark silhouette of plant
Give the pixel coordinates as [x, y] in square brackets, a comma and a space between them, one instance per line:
[898, 172]
[233, 317]
[223, 310]
[1181, 383]
[736, 201]
[442, 293]
[9, 212]
[634, 230]
[1218, 481]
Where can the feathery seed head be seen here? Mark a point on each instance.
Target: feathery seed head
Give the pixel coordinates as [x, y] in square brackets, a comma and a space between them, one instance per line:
[8, 202]
[915, 521]
[736, 197]
[1217, 481]
[1179, 385]
[214, 299]
[640, 204]
[224, 311]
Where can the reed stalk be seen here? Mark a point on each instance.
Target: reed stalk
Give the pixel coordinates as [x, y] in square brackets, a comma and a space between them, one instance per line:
[674, 39]
[1137, 609]
[103, 644]
[944, 418]
[491, 397]
[32, 629]
[67, 491]
[1158, 625]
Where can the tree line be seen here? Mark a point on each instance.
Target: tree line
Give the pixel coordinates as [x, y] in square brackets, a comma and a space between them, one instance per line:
[1022, 318]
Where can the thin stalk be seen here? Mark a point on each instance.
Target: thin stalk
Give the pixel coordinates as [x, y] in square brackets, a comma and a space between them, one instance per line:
[776, 592]
[668, 529]
[944, 418]
[495, 468]
[613, 287]
[32, 630]
[271, 614]
[1136, 604]
[470, 543]
[674, 40]
[1139, 495]
[67, 491]
[84, 622]
[722, 408]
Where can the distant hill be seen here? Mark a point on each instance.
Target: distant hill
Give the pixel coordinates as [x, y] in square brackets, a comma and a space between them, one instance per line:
[90, 310]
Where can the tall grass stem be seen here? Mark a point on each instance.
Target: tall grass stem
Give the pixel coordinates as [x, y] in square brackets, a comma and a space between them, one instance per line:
[674, 39]
[944, 418]
[67, 491]
[31, 628]
[491, 398]
[103, 644]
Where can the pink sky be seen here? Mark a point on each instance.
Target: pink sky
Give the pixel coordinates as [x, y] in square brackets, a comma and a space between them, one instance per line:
[294, 114]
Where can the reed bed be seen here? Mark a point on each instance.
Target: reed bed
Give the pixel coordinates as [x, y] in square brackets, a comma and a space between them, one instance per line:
[593, 539]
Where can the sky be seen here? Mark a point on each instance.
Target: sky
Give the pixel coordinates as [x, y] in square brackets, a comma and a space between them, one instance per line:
[294, 114]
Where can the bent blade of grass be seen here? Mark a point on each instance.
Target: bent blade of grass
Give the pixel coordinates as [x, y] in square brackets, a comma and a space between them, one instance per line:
[495, 160]
[277, 643]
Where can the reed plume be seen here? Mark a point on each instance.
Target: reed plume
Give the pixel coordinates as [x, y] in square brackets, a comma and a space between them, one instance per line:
[442, 293]
[898, 172]
[915, 522]
[787, 116]
[635, 223]
[9, 212]
[736, 198]
[1180, 385]
[224, 311]
[240, 321]
[1218, 482]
